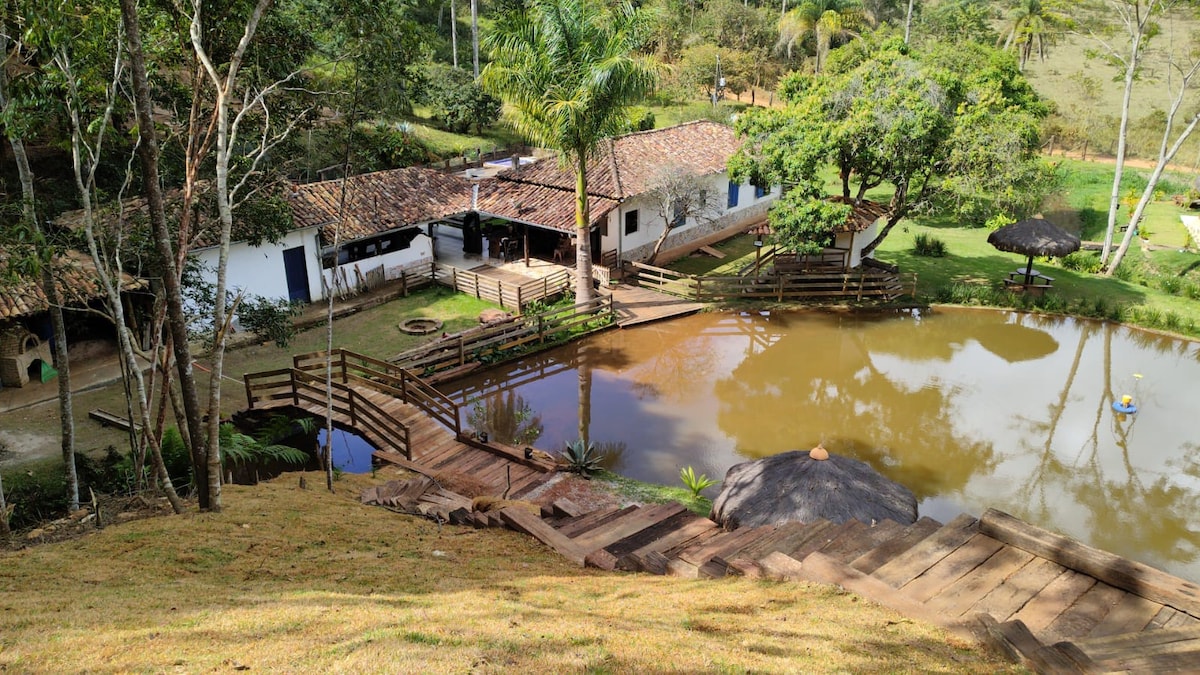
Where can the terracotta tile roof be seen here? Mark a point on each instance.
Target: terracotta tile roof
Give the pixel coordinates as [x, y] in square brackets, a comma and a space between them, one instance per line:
[77, 284]
[629, 165]
[380, 201]
[538, 205]
[864, 214]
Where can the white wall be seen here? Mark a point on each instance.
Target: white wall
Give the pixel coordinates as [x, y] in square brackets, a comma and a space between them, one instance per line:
[856, 244]
[418, 253]
[640, 244]
[258, 270]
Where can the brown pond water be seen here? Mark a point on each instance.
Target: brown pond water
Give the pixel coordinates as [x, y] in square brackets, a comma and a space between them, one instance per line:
[969, 409]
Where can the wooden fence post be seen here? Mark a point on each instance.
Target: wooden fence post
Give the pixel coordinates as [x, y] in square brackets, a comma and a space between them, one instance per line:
[476, 285]
[404, 386]
[249, 396]
[462, 352]
[699, 281]
[295, 392]
[342, 354]
[353, 408]
[404, 283]
[519, 303]
[540, 330]
[500, 292]
[862, 280]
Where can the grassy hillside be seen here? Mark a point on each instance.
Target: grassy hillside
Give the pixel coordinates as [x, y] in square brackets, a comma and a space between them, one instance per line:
[290, 580]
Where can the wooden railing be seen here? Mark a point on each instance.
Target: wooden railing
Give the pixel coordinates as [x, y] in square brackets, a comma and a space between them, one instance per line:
[866, 282]
[370, 373]
[364, 415]
[504, 293]
[492, 342]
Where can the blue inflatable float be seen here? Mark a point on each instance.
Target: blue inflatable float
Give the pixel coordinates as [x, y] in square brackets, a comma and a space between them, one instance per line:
[1125, 405]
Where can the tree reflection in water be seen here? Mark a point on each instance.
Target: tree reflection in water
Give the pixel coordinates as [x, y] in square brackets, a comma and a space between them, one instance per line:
[969, 409]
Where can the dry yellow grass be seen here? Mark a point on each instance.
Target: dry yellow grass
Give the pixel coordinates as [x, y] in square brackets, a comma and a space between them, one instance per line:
[290, 580]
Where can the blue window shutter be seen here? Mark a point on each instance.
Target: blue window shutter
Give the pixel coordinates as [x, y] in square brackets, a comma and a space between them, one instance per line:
[734, 188]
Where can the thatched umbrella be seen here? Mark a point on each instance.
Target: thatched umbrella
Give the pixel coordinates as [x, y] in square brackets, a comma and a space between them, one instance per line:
[798, 486]
[1031, 237]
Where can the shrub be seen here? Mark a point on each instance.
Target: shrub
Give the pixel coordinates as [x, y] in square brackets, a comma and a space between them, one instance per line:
[929, 246]
[269, 319]
[1081, 261]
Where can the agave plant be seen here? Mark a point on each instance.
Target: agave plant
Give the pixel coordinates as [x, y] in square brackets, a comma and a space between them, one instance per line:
[695, 483]
[583, 458]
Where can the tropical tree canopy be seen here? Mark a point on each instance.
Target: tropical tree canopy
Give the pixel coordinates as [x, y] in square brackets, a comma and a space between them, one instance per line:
[571, 69]
[953, 129]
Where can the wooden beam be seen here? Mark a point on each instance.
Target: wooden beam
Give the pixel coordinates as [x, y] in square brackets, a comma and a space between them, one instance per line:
[1110, 568]
[524, 521]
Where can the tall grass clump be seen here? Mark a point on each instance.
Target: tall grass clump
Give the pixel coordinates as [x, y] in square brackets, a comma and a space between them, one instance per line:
[928, 245]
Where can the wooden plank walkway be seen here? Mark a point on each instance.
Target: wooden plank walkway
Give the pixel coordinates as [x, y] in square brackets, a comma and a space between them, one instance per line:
[636, 305]
[1049, 601]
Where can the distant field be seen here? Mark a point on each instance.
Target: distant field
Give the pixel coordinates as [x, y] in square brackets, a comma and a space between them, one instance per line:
[1069, 58]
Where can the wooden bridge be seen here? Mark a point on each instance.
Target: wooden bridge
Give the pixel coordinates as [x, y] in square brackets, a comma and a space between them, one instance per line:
[406, 419]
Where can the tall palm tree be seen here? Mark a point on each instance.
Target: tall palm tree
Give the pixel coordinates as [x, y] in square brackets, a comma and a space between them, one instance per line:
[828, 21]
[570, 68]
[1033, 24]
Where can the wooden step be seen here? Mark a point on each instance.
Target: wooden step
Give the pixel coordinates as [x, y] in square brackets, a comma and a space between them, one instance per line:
[688, 533]
[689, 561]
[592, 520]
[1015, 639]
[628, 525]
[653, 533]
[847, 548]
[958, 598]
[1168, 649]
[911, 536]
[912, 563]
[956, 564]
[823, 539]
[524, 521]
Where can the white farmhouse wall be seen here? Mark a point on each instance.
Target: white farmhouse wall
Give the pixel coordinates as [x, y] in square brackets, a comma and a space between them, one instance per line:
[258, 270]
[856, 243]
[418, 254]
[639, 245]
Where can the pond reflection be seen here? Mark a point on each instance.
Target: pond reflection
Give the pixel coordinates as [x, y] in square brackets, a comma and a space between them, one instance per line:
[967, 408]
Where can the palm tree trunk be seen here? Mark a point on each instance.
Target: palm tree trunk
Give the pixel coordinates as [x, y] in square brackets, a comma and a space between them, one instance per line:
[583, 235]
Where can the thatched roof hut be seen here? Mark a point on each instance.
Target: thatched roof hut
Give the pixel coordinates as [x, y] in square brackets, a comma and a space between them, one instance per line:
[798, 486]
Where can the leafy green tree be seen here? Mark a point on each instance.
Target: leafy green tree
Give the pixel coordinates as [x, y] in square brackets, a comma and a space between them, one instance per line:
[571, 68]
[954, 129]
[458, 101]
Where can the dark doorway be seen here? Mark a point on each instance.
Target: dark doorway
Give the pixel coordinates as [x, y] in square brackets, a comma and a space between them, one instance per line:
[296, 268]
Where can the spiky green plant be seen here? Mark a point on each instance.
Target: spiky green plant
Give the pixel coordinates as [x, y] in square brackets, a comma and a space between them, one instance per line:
[695, 483]
[583, 458]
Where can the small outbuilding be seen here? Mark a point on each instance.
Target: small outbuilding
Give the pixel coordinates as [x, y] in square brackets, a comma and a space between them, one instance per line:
[806, 486]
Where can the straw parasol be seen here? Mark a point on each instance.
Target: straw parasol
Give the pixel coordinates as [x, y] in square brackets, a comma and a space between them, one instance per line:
[799, 486]
[1032, 237]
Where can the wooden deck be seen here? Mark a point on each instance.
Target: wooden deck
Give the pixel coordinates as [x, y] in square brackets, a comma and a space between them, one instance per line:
[1047, 600]
[636, 305]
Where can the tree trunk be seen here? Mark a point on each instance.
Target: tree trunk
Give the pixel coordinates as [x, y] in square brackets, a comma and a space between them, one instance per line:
[1164, 158]
[177, 321]
[908, 21]
[662, 238]
[453, 35]
[66, 408]
[1114, 202]
[583, 235]
[4, 529]
[29, 215]
[475, 38]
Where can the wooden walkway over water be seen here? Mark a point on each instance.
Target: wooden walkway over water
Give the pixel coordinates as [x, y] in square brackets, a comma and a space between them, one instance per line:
[410, 422]
[635, 305]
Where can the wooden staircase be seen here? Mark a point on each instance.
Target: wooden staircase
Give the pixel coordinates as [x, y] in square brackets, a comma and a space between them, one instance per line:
[1047, 600]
